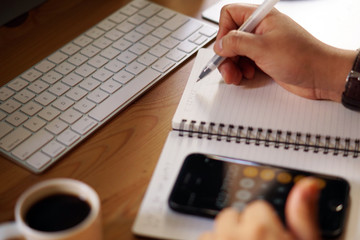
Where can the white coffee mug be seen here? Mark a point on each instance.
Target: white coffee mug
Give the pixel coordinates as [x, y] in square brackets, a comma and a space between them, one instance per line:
[89, 228]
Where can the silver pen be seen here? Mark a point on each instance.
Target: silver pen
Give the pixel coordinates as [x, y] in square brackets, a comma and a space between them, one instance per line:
[248, 26]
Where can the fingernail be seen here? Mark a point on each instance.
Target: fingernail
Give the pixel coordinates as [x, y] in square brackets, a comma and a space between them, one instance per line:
[220, 44]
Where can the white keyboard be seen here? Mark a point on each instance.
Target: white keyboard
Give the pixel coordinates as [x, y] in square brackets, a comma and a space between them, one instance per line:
[57, 103]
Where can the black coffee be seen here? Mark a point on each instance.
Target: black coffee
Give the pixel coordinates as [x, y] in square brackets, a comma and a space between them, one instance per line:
[57, 212]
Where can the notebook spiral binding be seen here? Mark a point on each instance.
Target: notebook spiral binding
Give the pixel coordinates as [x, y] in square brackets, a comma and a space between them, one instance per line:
[271, 138]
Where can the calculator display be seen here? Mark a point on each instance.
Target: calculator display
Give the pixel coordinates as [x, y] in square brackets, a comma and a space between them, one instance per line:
[208, 183]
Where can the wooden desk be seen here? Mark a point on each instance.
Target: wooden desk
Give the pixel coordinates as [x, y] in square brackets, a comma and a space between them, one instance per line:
[119, 159]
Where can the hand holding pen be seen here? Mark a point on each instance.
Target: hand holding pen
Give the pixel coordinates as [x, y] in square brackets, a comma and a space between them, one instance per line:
[248, 26]
[283, 50]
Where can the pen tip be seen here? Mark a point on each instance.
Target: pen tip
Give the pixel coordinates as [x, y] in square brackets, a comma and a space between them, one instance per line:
[198, 79]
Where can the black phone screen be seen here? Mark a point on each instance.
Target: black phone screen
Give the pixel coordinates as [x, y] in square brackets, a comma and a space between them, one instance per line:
[208, 183]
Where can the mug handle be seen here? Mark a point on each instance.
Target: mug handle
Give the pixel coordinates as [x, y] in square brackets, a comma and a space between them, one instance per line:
[9, 230]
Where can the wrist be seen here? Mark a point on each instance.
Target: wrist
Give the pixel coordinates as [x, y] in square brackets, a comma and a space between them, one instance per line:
[335, 67]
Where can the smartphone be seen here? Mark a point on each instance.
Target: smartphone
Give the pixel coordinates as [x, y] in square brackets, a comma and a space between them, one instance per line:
[208, 183]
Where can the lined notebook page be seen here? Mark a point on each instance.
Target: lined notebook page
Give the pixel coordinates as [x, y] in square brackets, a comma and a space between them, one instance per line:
[260, 103]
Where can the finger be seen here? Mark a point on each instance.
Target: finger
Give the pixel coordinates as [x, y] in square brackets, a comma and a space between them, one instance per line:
[207, 236]
[260, 211]
[232, 16]
[247, 67]
[301, 210]
[237, 43]
[226, 221]
[230, 72]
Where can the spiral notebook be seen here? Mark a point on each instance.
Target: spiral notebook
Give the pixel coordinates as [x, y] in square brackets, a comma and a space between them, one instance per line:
[257, 121]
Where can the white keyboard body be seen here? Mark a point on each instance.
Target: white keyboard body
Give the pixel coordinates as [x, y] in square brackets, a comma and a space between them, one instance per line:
[57, 103]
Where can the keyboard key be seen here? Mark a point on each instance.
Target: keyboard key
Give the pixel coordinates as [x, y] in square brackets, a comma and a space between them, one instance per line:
[163, 64]
[45, 98]
[5, 93]
[68, 137]
[94, 33]
[97, 61]
[34, 124]
[72, 79]
[32, 144]
[17, 84]
[90, 51]
[106, 25]
[70, 116]
[115, 65]
[125, 27]
[38, 86]
[84, 125]
[38, 160]
[78, 59]
[84, 106]
[45, 66]
[102, 42]
[121, 96]
[169, 42]
[89, 84]
[56, 126]
[59, 89]
[24, 96]
[97, 96]
[102, 74]
[187, 46]
[76, 93]
[117, 17]
[49, 113]
[31, 75]
[5, 128]
[123, 77]
[14, 138]
[82, 41]
[135, 68]
[65, 68]
[53, 149]
[10, 106]
[110, 86]
[122, 44]
[186, 30]
[31, 108]
[16, 119]
[63, 103]
[176, 55]
[85, 70]
[158, 51]
[58, 57]
[175, 22]
[127, 57]
[51, 77]
[70, 49]
[114, 34]
[110, 53]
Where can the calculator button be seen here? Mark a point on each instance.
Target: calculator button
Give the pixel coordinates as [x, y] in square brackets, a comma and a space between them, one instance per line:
[247, 183]
[243, 195]
[267, 174]
[251, 171]
[321, 183]
[298, 178]
[284, 177]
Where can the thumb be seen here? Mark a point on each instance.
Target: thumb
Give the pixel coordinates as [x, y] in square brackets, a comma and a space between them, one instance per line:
[237, 43]
[301, 209]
